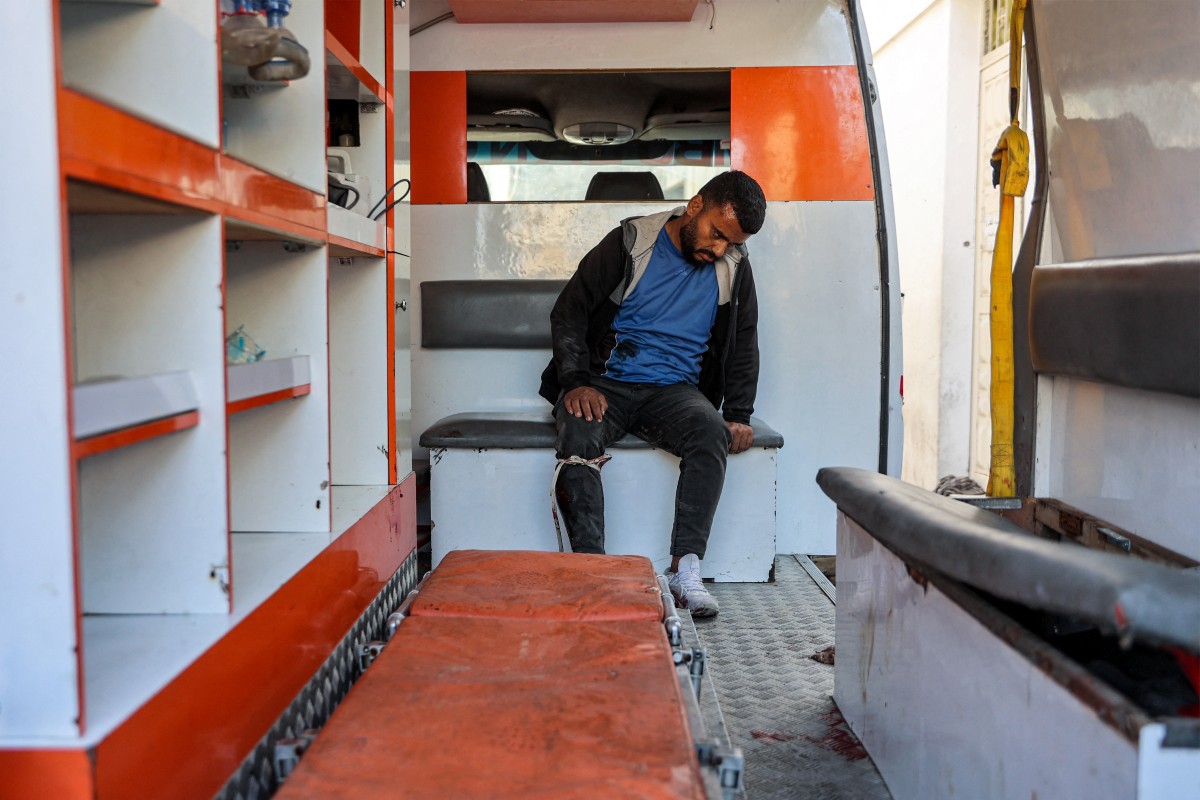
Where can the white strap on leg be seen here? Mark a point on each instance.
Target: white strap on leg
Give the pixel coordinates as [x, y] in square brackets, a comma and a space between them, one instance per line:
[564, 543]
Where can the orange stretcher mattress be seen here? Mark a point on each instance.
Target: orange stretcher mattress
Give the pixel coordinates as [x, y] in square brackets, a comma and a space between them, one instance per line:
[524, 584]
[460, 707]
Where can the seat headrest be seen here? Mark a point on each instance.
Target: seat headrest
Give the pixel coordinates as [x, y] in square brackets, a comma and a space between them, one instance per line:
[624, 186]
[477, 187]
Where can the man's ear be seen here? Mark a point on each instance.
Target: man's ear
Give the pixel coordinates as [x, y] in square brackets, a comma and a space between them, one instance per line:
[695, 206]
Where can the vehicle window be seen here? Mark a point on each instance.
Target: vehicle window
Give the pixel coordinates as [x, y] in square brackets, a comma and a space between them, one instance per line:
[545, 136]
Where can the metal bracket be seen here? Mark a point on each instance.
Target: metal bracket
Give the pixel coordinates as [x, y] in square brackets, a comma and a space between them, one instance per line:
[730, 765]
[671, 620]
[220, 574]
[288, 752]
[696, 659]
[367, 653]
[368, 108]
[1115, 539]
[345, 261]
[401, 613]
[295, 247]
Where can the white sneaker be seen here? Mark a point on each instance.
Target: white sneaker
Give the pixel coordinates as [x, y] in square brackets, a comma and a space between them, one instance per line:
[688, 589]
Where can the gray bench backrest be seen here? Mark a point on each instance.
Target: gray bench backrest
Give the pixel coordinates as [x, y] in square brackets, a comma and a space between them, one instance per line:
[503, 314]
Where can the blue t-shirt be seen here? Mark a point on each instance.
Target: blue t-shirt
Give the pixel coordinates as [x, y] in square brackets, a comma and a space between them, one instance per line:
[663, 326]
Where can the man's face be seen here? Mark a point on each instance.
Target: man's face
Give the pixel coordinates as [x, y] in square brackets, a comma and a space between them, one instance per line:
[709, 234]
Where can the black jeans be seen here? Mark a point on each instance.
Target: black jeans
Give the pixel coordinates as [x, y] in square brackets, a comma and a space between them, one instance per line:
[676, 418]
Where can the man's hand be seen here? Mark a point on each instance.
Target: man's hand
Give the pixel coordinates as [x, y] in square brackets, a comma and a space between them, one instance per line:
[743, 437]
[586, 402]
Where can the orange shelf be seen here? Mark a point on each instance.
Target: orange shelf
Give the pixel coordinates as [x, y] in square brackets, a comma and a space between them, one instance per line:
[107, 442]
[348, 248]
[267, 399]
[269, 202]
[344, 57]
[105, 146]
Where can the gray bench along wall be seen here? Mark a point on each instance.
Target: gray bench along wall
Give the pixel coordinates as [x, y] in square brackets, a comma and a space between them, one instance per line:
[490, 471]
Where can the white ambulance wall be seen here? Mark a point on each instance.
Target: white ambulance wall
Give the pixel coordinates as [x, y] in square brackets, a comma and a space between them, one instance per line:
[1127, 456]
[816, 263]
[816, 270]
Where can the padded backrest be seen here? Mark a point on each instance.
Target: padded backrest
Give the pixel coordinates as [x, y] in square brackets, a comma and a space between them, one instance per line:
[624, 186]
[477, 186]
[502, 314]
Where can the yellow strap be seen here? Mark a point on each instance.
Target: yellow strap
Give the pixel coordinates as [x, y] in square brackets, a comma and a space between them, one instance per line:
[1011, 156]
[1016, 30]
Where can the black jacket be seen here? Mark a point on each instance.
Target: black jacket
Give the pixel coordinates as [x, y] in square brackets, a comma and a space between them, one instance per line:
[581, 321]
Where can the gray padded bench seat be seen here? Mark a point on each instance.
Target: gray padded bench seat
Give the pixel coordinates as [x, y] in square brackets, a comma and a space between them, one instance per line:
[523, 431]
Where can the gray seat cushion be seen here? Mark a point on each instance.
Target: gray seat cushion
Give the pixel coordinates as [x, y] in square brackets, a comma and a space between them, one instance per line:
[522, 431]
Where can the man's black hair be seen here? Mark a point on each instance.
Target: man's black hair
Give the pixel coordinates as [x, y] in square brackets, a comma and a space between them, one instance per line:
[737, 189]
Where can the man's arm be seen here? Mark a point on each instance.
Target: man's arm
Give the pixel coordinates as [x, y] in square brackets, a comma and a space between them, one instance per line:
[598, 275]
[741, 369]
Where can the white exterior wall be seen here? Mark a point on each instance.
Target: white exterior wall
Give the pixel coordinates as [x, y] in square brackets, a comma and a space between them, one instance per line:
[927, 67]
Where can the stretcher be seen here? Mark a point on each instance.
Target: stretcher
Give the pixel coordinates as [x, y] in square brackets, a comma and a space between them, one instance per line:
[517, 674]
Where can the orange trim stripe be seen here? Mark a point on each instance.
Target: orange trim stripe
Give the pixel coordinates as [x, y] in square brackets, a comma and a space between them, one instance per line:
[247, 403]
[204, 723]
[439, 137]
[41, 774]
[105, 442]
[389, 15]
[802, 132]
[343, 20]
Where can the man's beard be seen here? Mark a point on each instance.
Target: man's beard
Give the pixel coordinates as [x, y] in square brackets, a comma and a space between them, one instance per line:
[687, 246]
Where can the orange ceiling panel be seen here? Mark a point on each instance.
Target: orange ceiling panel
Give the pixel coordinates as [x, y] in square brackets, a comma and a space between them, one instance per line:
[801, 132]
[526, 11]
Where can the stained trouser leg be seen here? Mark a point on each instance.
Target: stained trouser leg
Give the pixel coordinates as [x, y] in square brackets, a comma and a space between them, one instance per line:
[579, 490]
[681, 420]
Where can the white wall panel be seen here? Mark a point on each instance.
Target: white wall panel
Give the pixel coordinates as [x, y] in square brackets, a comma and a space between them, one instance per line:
[817, 274]
[157, 62]
[37, 661]
[1129, 457]
[760, 33]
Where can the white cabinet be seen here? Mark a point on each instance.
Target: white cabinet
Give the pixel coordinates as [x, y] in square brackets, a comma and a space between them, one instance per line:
[167, 199]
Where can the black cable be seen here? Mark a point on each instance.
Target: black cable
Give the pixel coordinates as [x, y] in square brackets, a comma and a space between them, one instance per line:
[371, 213]
[397, 252]
[387, 208]
[352, 191]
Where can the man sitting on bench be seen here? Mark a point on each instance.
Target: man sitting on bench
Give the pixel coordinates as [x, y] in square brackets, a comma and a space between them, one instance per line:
[656, 334]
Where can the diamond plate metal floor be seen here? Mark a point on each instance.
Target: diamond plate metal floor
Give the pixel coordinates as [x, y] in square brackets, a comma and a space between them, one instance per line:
[778, 702]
